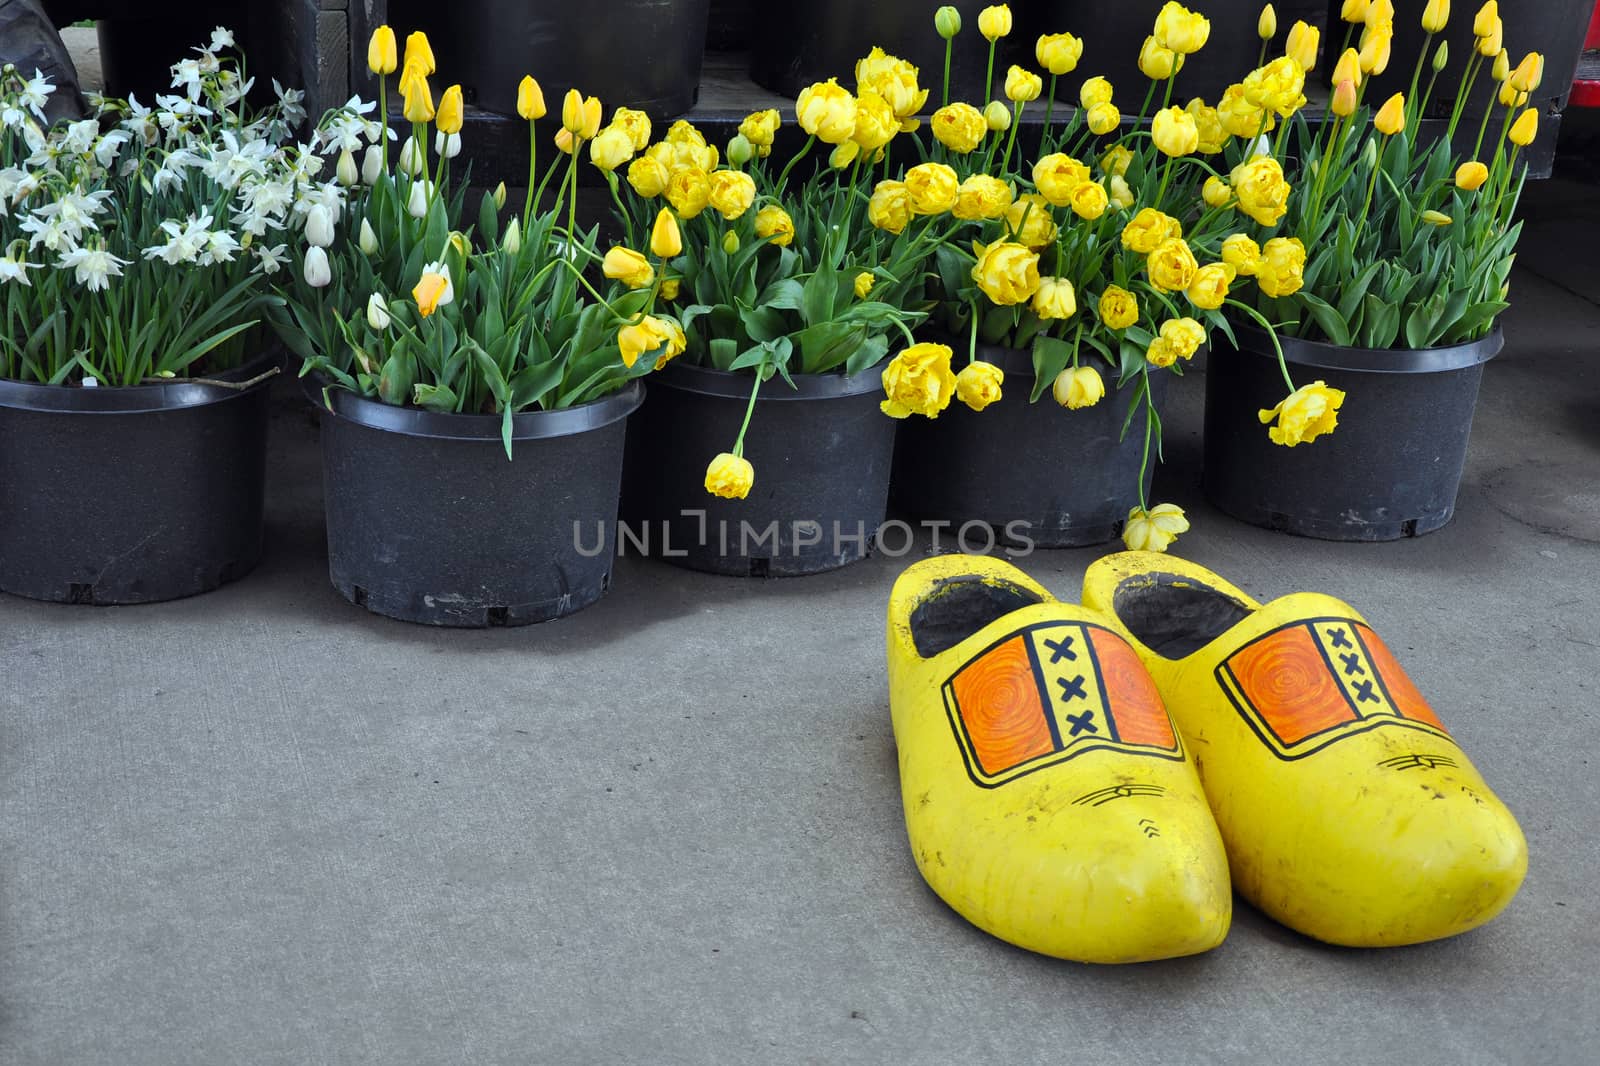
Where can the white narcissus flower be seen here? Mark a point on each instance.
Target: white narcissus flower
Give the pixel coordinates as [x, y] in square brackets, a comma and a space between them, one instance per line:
[319, 226]
[15, 268]
[36, 93]
[93, 267]
[221, 38]
[377, 313]
[317, 272]
[270, 260]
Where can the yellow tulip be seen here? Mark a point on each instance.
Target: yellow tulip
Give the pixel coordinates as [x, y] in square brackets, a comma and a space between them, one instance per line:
[1059, 53]
[1174, 132]
[1145, 232]
[1023, 86]
[1485, 19]
[1184, 335]
[1306, 414]
[889, 209]
[863, 284]
[1353, 11]
[1267, 24]
[1057, 175]
[1055, 299]
[1509, 96]
[1490, 43]
[997, 116]
[1078, 387]
[572, 112]
[1529, 73]
[1376, 44]
[932, 188]
[1096, 90]
[1471, 175]
[1155, 529]
[1344, 99]
[419, 51]
[959, 127]
[1209, 288]
[1119, 308]
[530, 99]
[774, 222]
[1435, 15]
[1348, 68]
[1172, 266]
[1281, 268]
[947, 22]
[827, 112]
[1302, 45]
[1437, 218]
[918, 381]
[451, 106]
[1006, 272]
[1103, 118]
[648, 176]
[433, 290]
[1525, 129]
[1216, 192]
[732, 193]
[1502, 66]
[1391, 117]
[1158, 62]
[418, 105]
[627, 266]
[651, 334]
[994, 22]
[381, 52]
[978, 384]
[730, 476]
[666, 240]
[982, 196]
[1181, 30]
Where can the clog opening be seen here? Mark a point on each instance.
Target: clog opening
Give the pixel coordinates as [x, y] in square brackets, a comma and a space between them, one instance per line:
[958, 607]
[1175, 616]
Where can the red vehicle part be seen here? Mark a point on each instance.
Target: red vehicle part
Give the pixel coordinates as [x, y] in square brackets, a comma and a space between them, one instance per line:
[1586, 83]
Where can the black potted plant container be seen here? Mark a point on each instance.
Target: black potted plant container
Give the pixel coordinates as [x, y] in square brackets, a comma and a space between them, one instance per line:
[1554, 28]
[799, 44]
[822, 453]
[643, 54]
[428, 521]
[1392, 467]
[132, 494]
[1113, 34]
[1036, 474]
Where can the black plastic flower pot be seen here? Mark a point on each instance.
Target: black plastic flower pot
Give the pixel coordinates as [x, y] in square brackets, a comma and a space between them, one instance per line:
[798, 44]
[1036, 474]
[132, 495]
[822, 452]
[1390, 469]
[429, 522]
[643, 54]
[1113, 34]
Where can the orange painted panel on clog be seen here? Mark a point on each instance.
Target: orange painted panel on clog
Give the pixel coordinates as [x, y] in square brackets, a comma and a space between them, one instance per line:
[1141, 717]
[1402, 692]
[998, 698]
[1286, 679]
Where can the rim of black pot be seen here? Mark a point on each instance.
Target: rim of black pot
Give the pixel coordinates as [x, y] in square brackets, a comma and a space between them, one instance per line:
[736, 383]
[139, 399]
[1377, 360]
[445, 425]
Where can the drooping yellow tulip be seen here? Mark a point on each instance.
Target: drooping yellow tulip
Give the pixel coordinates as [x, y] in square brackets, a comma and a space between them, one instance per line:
[381, 52]
[418, 50]
[1391, 117]
[1471, 175]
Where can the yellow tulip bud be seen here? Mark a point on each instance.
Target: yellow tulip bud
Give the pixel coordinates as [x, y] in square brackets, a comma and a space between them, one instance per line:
[1348, 68]
[1158, 62]
[1103, 118]
[572, 112]
[730, 242]
[740, 150]
[1354, 11]
[1436, 218]
[1302, 45]
[863, 284]
[947, 21]
[1525, 129]
[1095, 90]
[1023, 86]
[1471, 175]
[978, 384]
[1344, 99]
[418, 101]
[592, 113]
[774, 222]
[499, 195]
[997, 116]
[1502, 66]
[666, 240]
[1509, 96]
[511, 241]
[994, 22]
[669, 287]
[1435, 15]
[1391, 117]
[418, 51]
[381, 51]
[730, 476]
[1267, 24]
[1441, 57]
[1485, 19]
[1216, 192]
[1491, 43]
[1377, 41]
[1529, 73]
[530, 99]
[844, 155]
[451, 108]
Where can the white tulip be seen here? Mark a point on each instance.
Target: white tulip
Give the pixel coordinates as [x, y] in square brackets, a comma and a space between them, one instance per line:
[411, 160]
[317, 272]
[377, 313]
[319, 226]
[368, 240]
[448, 147]
[512, 242]
[347, 172]
[421, 193]
[372, 165]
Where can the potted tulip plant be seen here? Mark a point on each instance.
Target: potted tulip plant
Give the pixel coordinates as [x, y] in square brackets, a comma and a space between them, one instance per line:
[1113, 253]
[474, 376]
[136, 248]
[791, 293]
[1410, 251]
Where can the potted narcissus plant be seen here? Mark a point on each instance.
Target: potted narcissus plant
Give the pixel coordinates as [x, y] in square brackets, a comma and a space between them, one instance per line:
[1088, 275]
[1410, 246]
[474, 371]
[136, 249]
[761, 450]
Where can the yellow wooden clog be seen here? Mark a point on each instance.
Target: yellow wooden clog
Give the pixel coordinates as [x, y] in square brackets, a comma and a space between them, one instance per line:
[1348, 811]
[1048, 798]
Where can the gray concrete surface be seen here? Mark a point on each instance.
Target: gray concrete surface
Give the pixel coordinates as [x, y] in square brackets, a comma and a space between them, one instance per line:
[262, 826]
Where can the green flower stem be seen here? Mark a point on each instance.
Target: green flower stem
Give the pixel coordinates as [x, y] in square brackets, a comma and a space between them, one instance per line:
[1372, 184]
[1166, 176]
[383, 117]
[750, 409]
[1272, 334]
[616, 197]
[783, 175]
[533, 156]
[1016, 124]
[1049, 110]
[1144, 109]
[972, 340]
[1149, 427]
[949, 45]
[1469, 76]
[572, 204]
[988, 77]
[1413, 111]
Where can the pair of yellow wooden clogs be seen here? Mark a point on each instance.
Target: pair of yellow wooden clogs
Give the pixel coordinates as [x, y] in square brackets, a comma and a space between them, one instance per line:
[1052, 801]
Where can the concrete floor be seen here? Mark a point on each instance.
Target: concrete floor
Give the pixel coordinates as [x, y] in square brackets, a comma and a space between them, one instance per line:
[264, 826]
